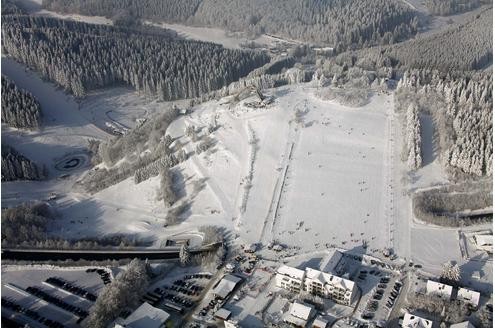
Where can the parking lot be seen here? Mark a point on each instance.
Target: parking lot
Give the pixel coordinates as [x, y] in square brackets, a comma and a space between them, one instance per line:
[381, 288]
[42, 297]
[179, 294]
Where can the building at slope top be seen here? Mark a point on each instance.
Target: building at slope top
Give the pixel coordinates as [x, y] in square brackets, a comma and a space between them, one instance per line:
[316, 282]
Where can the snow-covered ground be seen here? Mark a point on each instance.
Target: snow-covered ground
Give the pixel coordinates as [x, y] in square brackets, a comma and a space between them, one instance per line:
[331, 175]
[216, 35]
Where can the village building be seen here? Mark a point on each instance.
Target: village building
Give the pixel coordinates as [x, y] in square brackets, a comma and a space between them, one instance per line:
[320, 322]
[223, 314]
[464, 324]
[289, 278]
[145, 316]
[414, 321]
[469, 296]
[484, 242]
[316, 282]
[228, 283]
[325, 285]
[438, 289]
[299, 314]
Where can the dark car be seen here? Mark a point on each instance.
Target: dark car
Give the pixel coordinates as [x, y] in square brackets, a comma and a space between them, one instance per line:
[367, 316]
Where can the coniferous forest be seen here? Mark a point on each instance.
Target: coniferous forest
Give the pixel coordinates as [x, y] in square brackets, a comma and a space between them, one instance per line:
[19, 108]
[342, 23]
[82, 57]
[17, 167]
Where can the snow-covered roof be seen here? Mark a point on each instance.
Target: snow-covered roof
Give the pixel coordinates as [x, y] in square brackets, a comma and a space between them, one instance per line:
[326, 278]
[323, 277]
[231, 324]
[342, 283]
[464, 324]
[438, 288]
[484, 240]
[413, 321]
[291, 272]
[226, 285]
[223, 314]
[320, 323]
[299, 314]
[469, 296]
[146, 316]
[331, 262]
[301, 311]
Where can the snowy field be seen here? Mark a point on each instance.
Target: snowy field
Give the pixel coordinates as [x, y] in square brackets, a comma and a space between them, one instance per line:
[216, 35]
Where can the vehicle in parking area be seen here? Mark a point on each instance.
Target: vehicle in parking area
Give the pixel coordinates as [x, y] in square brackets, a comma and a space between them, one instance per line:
[367, 316]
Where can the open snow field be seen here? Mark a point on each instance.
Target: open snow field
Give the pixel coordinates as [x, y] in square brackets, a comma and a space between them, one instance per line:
[216, 35]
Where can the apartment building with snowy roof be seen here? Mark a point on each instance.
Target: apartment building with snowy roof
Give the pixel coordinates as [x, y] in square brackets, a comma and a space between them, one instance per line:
[316, 282]
[289, 278]
[326, 285]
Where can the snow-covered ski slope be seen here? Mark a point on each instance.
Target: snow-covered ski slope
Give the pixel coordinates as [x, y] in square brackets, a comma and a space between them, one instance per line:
[304, 172]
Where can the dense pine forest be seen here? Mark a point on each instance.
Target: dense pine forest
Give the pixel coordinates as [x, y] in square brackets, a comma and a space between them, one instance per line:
[81, 57]
[17, 167]
[19, 108]
[169, 10]
[450, 7]
[341, 23]
[462, 47]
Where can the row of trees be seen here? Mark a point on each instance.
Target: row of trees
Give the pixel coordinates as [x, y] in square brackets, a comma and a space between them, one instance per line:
[10, 7]
[25, 223]
[444, 207]
[20, 109]
[168, 193]
[123, 292]
[413, 137]
[463, 116]
[17, 167]
[450, 312]
[449, 7]
[26, 226]
[82, 57]
[167, 10]
[341, 23]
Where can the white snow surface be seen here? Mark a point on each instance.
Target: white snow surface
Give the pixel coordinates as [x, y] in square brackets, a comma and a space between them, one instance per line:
[315, 182]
